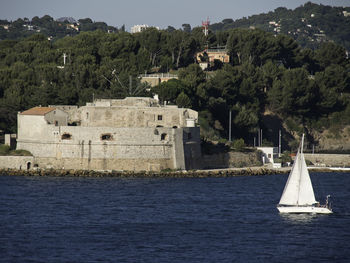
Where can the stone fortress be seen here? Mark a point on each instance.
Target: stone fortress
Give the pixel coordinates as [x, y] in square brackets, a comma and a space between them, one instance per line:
[135, 134]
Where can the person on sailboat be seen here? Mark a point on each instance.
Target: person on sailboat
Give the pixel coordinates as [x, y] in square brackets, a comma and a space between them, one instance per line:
[327, 200]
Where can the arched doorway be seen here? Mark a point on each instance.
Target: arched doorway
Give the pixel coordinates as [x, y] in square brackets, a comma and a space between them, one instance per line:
[29, 164]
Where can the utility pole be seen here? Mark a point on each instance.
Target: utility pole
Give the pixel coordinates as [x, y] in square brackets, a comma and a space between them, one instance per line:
[229, 126]
[279, 143]
[130, 85]
[64, 59]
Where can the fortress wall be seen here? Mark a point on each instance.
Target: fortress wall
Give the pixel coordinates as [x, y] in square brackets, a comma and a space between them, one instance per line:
[143, 164]
[86, 142]
[133, 117]
[340, 160]
[129, 149]
[16, 162]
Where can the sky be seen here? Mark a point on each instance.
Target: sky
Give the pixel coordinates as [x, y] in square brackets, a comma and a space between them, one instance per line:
[161, 13]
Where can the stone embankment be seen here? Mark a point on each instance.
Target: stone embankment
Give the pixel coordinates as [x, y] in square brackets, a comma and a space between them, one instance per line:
[254, 171]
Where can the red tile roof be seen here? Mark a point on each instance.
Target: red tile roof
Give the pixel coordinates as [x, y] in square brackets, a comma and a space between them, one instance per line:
[38, 111]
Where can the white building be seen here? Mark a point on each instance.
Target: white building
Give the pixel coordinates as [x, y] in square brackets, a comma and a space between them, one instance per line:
[269, 153]
[140, 28]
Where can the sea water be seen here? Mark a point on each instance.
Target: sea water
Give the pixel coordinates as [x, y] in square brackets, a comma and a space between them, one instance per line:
[55, 219]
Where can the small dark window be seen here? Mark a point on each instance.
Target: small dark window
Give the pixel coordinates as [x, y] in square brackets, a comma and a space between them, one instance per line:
[163, 137]
[156, 132]
[174, 127]
[160, 117]
[189, 135]
[106, 137]
[66, 136]
[56, 123]
[269, 155]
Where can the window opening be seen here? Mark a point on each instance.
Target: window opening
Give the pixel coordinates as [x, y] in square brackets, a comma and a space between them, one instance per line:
[160, 117]
[106, 137]
[163, 136]
[189, 135]
[66, 136]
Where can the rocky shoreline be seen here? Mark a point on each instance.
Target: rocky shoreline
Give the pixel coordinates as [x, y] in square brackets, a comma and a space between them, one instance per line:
[251, 171]
[143, 174]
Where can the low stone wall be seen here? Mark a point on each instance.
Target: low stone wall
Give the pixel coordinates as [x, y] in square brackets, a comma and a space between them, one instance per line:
[105, 164]
[231, 159]
[341, 160]
[16, 162]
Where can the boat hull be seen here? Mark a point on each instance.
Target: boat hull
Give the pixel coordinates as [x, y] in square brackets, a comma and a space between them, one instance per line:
[304, 210]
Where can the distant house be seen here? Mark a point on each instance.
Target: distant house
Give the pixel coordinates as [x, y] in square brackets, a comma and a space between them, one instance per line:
[140, 28]
[208, 56]
[269, 153]
[155, 79]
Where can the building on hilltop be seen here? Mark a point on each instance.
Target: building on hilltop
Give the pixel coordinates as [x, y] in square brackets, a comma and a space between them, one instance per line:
[207, 57]
[130, 134]
[140, 28]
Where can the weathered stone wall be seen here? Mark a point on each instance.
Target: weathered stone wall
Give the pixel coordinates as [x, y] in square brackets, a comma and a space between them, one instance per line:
[231, 159]
[141, 164]
[57, 117]
[133, 117]
[340, 160]
[31, 127]
[16, 162]
[85, 147]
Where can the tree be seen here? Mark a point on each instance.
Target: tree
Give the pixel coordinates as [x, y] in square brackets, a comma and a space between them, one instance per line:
[329, 54]
[169, 90]
[186, 28]
[295, 94]
[183, 101]
[151, 40]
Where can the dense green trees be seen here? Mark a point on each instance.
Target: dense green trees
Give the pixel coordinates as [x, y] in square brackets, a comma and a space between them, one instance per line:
[309, 24]
[266, 73]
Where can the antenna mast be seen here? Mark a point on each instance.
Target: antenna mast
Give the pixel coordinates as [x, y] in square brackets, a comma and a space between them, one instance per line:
[205, 25]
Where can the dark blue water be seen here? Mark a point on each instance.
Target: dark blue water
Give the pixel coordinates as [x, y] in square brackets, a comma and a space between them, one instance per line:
[49, 219]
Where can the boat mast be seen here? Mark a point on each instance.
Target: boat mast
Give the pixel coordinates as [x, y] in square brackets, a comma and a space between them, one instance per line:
[299, 155]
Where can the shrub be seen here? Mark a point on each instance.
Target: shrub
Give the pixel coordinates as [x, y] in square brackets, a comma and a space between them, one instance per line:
[4, 149]
[20, 153]
[238, 145]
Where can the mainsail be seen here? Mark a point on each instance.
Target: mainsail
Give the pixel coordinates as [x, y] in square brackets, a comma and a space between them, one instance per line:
[298, 189]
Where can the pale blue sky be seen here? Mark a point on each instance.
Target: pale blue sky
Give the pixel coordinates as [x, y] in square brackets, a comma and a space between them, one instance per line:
[152, 12]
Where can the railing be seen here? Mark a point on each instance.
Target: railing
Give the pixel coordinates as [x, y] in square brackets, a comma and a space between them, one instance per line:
[161, 75]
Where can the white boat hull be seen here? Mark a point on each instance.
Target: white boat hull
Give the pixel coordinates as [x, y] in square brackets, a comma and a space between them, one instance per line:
[304, 210]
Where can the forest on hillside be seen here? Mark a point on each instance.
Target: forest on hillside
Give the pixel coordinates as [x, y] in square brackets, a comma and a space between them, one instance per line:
[310, 24]
[307, 89]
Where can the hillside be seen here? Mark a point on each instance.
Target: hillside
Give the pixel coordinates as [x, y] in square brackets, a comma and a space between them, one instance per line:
[309, 24]
[53, 29]
[270, 83]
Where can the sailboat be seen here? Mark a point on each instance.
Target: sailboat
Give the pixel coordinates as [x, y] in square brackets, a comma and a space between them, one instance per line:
[298, 194]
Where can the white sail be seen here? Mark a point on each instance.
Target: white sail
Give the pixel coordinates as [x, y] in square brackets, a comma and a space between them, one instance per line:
[306, 191]
[298, 189]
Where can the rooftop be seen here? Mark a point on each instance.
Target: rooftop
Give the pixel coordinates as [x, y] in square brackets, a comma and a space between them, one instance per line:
[38, 111]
